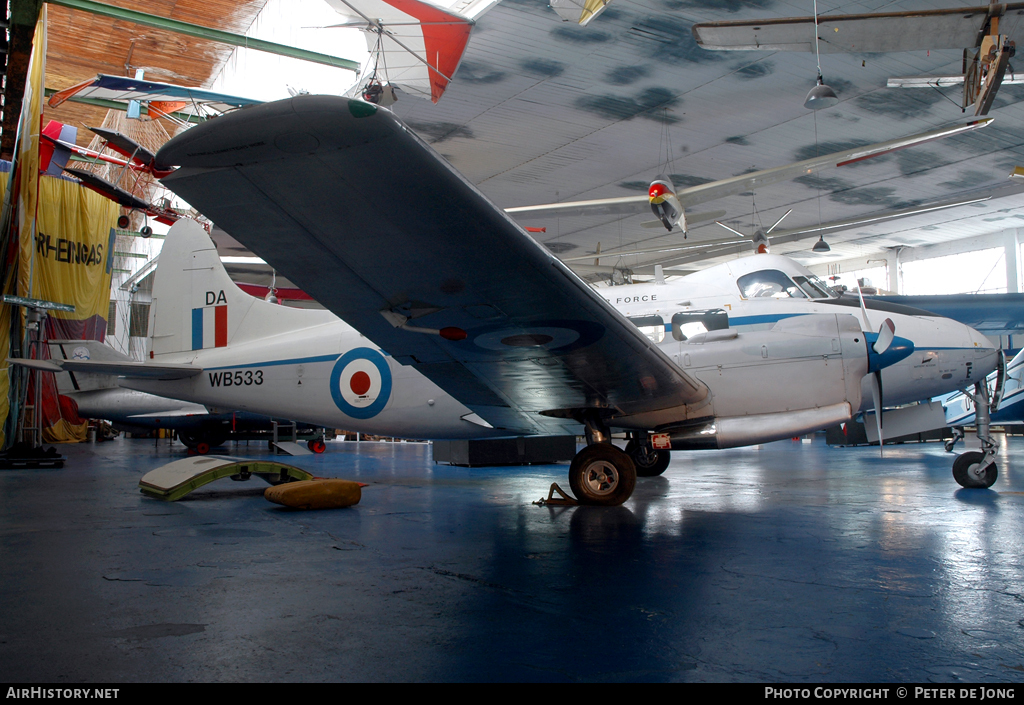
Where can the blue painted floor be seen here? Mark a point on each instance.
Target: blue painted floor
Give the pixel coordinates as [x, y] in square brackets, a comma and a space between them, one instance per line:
[792, 562]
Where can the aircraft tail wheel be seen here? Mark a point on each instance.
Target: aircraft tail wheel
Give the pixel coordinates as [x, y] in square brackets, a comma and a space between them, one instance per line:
[317, 446]
[202, 448]
[648, 462]
[123, 222]
[146, 231]
[968, 471]
[603, 475]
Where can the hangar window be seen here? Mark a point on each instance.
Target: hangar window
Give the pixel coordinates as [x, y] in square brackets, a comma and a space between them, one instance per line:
[651, 326]
[138, 324]
[690, 323]
[769, 283]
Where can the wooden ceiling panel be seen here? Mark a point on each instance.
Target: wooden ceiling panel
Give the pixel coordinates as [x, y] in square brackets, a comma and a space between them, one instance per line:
[81, 45]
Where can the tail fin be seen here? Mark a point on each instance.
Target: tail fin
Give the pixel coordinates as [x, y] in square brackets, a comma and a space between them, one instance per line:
[53, 150]
[196, 306]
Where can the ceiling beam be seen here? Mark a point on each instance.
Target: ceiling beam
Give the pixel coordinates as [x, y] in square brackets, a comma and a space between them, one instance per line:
[208, 33]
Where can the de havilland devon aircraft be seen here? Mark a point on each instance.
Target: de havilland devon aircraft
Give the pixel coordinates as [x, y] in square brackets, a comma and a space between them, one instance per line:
[360, 213]
[481, 331]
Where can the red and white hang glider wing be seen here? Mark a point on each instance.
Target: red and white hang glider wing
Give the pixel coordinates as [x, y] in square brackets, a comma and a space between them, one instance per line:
[415, 45]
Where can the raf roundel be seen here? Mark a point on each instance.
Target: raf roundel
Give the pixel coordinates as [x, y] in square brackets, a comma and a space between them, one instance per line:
[361, 383]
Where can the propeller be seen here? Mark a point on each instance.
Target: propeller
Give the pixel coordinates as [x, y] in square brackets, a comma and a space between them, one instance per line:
[884, 348]
[760, 239]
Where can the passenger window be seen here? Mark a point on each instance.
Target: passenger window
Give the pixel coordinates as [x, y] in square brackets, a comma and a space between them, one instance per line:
[689, 323]
[769, 283]
[651, 326]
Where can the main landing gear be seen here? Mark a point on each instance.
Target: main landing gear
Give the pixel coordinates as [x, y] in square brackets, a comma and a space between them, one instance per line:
[648, 461]
[978, 469]
[601, 474]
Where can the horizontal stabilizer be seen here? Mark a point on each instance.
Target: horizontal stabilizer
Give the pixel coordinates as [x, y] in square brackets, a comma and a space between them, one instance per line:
[138, 370]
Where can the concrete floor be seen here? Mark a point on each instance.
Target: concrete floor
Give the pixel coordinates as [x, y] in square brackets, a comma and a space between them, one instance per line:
[792, 562]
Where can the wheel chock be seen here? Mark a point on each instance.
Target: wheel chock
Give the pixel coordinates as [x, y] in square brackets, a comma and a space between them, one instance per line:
[563, 500]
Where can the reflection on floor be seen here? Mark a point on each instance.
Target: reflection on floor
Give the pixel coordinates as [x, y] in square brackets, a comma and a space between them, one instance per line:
[792, 562]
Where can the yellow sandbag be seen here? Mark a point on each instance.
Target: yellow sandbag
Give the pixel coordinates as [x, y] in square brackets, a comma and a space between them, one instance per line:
[315, 494]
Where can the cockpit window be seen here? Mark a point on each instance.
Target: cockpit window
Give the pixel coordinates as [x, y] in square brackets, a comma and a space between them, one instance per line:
[815, 288]
[769, 283]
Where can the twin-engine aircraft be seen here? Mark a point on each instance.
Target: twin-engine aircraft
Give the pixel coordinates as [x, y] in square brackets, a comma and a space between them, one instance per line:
[758, 368]
[485, 332]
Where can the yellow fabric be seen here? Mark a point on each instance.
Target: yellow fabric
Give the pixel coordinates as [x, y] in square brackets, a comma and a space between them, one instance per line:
[31, 122]
[65, 432]
[72, 248]
[28, 157]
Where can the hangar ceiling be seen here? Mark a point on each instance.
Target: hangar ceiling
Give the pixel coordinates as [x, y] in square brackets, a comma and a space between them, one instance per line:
[542, 110]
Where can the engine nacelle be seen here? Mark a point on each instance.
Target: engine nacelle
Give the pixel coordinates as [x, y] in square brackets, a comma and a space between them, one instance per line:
[806, 371]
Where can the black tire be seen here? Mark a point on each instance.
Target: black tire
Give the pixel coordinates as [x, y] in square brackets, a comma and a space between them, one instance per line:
[123, 222]
[602, 475]
[647, 461]
[146, 231]
[962, 471]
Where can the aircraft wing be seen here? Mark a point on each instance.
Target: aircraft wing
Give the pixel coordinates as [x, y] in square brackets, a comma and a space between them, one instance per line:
[138, 370]
[108, 190]
[353, 207]
[123, 89]
[713, 190]
[957, 28]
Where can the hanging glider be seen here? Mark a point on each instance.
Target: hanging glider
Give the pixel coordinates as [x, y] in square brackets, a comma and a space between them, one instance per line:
[984, 34]
[162, 99]
[579, 11]
[703, 193]
[413, 45]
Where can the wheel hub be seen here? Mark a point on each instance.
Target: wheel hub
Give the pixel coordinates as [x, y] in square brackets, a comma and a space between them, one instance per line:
[602, 477]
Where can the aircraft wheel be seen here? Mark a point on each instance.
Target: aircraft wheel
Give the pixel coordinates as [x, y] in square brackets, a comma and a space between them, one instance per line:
[648, 462]
[123, 222]
[146, 231]
[317, 446]
[603, 475]
[967, 473]
[201, 448]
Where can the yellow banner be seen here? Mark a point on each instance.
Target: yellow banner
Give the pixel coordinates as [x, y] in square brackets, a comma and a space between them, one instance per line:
[74, 250]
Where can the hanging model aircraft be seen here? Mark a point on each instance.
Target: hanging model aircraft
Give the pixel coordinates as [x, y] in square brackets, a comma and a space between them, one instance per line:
[984, 33]
[496, 328]
[413, 45]
[669, 204]
[58, 145]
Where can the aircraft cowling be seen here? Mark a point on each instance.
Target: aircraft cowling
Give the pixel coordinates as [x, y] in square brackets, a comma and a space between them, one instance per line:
[802, 375]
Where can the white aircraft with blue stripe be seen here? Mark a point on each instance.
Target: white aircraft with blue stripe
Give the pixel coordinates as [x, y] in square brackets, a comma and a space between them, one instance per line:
[486, 333]
[756, 292]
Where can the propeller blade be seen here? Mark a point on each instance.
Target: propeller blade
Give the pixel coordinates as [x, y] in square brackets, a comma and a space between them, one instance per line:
[863, 310]
[730, 229]
[876, 399]
[886, 333]
[769, 230]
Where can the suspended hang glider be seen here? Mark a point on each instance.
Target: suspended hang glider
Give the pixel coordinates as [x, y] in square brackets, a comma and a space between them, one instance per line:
[413, 45]
[655, 200]
[984, 33]
[178, 103]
